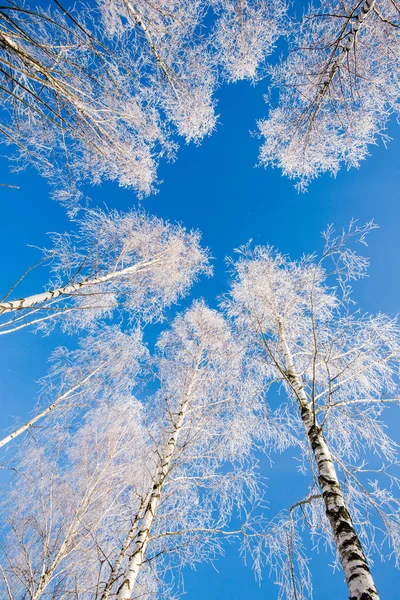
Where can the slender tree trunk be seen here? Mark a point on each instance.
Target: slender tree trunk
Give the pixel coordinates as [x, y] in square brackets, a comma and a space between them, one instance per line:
[358, 22]
[71, 289]
[142, 539]
[358, 576]
[48, 410]
[139, 21]
[127, 542]
[70, 540]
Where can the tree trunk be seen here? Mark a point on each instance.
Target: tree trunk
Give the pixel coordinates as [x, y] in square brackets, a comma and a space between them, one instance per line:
[366, 8]
[70, 541]
[127, 542]
[71, 289]
[358, 576]
[47, 410]
[143, 535]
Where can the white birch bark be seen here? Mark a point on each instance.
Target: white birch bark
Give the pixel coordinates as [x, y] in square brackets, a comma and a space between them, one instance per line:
[139, 21]
[366, 8]
[355, 566]
[48, 409]
[142, 539]
[127, 542]
[71, 289]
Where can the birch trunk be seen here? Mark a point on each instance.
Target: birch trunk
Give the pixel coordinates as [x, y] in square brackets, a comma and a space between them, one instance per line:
[71, 289]
[48, 409]
[127, 542]
[358, 576]
[366, 8]
[139, 21]
[143, 535]
[69, 542]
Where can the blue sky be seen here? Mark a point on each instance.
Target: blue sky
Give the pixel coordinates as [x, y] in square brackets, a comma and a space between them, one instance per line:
[217, 189]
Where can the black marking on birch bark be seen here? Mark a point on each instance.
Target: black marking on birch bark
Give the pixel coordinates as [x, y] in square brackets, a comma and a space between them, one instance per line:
[370, 594]
[351, 554]
[353, 557]
[348, 545]
[321, 461]
[127, 583]
[345, 525]
[350, 549]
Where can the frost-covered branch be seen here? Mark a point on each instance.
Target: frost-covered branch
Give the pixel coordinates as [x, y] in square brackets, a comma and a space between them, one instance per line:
[115, 260]
[338, 87]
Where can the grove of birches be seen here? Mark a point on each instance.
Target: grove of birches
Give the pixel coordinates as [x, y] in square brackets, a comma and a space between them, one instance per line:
[138, 461]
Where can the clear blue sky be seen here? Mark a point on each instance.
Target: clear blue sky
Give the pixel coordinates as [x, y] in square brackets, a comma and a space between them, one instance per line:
[217, 189]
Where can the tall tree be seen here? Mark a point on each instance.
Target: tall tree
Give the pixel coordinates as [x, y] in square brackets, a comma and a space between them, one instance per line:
[202, 470]
[120, 504]
[169, 42]
[187, 57]
[338, 87]
[131, 261]
[339, 370]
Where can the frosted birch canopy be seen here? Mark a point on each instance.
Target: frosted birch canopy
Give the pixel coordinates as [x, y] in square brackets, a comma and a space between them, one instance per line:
[245, 35]
[189, 48]
[121, 502]
[203, 471]
[338, 87]
[71, 104]
[132, 261]
[105, 92]
[339, 369]
[175, 60]
[93, 94]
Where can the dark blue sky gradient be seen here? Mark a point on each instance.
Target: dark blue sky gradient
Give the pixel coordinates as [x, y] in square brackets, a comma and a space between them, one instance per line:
[217, 189]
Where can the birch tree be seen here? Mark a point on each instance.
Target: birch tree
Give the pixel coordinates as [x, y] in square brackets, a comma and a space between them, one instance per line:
[187, 58]
[137, 492]
[201, 471]
[175, 56]
[133, 261]
[338, 369]
[338, 88]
